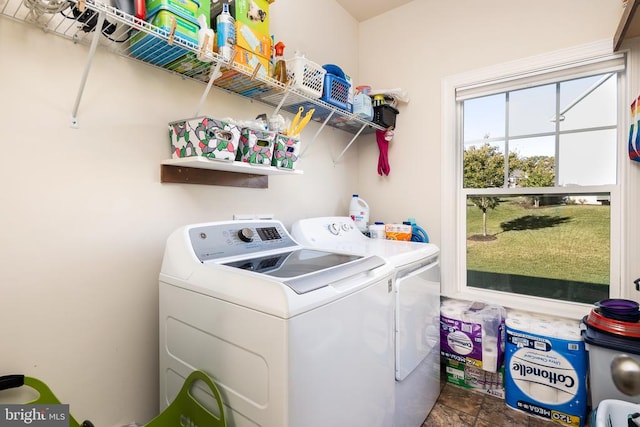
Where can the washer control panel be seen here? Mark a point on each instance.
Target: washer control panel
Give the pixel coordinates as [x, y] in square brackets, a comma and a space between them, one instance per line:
[234, 238]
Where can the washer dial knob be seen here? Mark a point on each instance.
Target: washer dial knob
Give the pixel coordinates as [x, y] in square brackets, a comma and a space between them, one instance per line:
[245, 234]
[334, 228]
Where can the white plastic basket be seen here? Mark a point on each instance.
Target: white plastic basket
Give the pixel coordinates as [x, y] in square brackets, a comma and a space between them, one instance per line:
[306, 76]
[613, 413]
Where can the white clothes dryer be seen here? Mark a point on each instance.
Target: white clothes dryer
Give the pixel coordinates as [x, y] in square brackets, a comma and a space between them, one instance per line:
[417, 307]
[293, 337]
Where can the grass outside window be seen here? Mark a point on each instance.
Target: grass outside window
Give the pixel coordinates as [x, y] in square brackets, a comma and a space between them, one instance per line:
[565, 246]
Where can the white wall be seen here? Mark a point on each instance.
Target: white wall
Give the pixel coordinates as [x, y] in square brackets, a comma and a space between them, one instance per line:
[84, 215]
[631, 267]
[415, 46]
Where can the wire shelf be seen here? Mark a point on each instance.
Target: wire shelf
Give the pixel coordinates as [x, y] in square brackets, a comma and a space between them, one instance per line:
[77, 20]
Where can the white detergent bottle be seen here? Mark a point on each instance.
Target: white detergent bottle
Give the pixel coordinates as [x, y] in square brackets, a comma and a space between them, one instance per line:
[359, 212]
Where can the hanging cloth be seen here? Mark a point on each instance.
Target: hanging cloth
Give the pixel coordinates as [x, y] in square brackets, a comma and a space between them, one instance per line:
[383, 137]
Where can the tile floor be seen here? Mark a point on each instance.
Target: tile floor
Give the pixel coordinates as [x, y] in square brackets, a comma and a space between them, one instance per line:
[459, 407]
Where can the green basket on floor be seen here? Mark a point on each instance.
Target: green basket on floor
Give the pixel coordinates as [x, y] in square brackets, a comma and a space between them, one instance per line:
[46, 396]
[185, 410]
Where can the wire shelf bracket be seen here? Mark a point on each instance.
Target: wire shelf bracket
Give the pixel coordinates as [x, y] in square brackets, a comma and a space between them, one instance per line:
[349, 144]
[85, 73]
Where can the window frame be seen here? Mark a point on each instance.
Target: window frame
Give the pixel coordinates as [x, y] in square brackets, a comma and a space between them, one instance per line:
[453, 207]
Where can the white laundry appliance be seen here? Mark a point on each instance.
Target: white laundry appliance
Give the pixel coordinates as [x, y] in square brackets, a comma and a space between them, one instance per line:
[293, 337]
[417, 309]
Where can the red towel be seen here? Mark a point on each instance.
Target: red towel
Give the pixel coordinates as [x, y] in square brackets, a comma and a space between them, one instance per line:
[383, 137]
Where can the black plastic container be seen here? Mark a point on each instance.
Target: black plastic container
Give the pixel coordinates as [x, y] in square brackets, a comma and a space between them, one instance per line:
[385, 116]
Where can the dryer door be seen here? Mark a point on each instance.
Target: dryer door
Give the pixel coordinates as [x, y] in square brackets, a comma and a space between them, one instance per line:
[418, 314]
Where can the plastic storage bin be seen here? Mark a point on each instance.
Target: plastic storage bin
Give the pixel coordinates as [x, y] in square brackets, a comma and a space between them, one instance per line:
[183, 7]
[612, 413]
[385, 115]
[45, 395]
[150, 48]
[205, 137]
[336, 91]
[306, 76]
[186, 410]
[603, 347]
[362, 106]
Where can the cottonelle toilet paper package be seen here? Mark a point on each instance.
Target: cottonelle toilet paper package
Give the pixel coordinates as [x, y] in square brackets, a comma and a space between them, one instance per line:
[546, 368]
[472, 345]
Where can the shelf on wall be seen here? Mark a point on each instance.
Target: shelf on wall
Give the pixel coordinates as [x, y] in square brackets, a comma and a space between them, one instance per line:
[78, 20]
[199, 170]
[158, 50]
[190, 175]
[629, 25]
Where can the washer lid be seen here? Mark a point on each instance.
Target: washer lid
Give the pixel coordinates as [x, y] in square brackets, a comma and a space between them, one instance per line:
[305, 270]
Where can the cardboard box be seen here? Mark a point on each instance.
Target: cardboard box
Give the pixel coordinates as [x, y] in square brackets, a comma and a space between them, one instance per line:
[205, 137]
[253, 41]
[398, 231]
[190, 64]
[252, 24]
[254, 13]
[251, 60]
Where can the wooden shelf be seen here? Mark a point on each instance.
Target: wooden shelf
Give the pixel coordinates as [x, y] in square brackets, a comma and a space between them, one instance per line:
[629, 26]
[197, 170]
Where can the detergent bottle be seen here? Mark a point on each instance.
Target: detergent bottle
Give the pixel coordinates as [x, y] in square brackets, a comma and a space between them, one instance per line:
[418, 234]
[226, 29]
[280, 69]
[359, 212]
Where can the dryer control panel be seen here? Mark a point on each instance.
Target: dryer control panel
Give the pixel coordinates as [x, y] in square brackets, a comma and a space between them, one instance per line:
[327, 230]
[234, 238]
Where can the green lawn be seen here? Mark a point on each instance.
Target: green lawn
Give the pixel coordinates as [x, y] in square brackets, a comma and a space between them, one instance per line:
[567, 242]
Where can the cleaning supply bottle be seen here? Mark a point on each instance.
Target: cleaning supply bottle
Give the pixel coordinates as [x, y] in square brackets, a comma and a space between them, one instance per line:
[418, 234]
[359, 212]
[376, 230]
[226, 29]
[280, 68]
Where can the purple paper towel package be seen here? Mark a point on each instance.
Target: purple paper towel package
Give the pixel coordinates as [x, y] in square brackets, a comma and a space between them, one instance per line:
[473, 333]
[472, 345]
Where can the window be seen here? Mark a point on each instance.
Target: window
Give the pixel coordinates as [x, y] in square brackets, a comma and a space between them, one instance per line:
[532, 195]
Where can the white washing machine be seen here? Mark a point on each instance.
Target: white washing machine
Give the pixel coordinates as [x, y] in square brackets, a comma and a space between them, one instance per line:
[417, 310]
[293, 337]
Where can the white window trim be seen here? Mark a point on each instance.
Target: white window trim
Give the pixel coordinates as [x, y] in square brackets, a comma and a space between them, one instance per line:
[453, 228]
